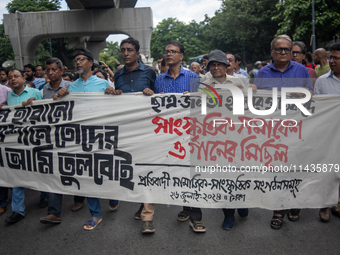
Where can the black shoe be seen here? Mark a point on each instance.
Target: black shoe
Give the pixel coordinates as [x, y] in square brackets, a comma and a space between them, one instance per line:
[15, 217]
[43, 202]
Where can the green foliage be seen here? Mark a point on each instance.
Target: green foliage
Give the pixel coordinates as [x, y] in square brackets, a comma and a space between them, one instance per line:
[190, 35]
[295, 19]
[243, 24]
[108, 59]
[6, 51]
[112, 49]
[32, 5]
[41, 55]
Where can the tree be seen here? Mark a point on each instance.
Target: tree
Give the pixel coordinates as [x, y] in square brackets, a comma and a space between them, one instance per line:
[173, 30]
[33, 5]
[6, 51]
[108, 59]
[112, 49]
[296, 19]
[243, 25]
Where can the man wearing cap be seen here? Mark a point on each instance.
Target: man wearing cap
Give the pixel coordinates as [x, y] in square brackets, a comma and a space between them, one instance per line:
[87, 83]
[258, 66]
[218, 65]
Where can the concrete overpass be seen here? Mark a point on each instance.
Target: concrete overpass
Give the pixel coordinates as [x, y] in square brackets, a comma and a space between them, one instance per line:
[87, 25]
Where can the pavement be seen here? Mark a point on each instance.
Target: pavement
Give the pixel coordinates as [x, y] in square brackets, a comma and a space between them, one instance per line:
[120, 233]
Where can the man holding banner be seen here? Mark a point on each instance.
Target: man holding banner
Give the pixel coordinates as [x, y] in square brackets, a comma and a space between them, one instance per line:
[87, 83]
[179, 80]
[329, 83]
[136, 77]
[24, 95]
[271, 76]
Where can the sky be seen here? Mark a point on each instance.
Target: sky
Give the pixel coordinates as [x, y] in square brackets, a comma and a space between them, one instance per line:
[183, 10]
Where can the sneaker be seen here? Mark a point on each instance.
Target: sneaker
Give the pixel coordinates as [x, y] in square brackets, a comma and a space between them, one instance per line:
[139, 212]
[228, 223]
[148, 227]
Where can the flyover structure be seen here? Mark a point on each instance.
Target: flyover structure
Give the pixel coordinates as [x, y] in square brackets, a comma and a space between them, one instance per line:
[86, 25]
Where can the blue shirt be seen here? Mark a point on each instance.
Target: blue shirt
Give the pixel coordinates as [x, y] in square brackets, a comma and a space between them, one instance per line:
[295, 75]
[243, 72]
[39, 82]
[26, 94]
[185, 81]
[135, 81]
[93, 84]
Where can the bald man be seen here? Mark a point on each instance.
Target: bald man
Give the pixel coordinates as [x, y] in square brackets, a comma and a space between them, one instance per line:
[320, 58]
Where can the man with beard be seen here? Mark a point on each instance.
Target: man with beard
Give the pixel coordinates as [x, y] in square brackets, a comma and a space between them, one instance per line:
[87, 83]
[30, 72]
[3, 77]
[39, 71]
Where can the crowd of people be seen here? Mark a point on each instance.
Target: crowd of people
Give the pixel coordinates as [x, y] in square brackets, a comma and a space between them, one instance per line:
[289, 60]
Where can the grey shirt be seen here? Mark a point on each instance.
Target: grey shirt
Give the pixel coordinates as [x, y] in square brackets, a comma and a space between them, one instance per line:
[327, 84]
[48, 92]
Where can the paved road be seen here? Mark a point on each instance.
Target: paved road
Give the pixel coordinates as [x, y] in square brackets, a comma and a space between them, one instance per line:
[120, 233]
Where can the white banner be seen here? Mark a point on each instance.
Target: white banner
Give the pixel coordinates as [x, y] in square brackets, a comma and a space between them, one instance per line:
[139, 148]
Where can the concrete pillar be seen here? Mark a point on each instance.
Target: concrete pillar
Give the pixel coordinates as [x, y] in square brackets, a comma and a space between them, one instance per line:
[95, 48]
[27, 30]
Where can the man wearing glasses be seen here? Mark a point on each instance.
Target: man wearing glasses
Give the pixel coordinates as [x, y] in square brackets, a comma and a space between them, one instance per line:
[180, 80]
[329, 83]
[87, 83]
[282, 67]
[282, 73]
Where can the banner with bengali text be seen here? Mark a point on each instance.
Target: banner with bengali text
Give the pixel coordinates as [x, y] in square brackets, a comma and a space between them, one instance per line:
[162, 149]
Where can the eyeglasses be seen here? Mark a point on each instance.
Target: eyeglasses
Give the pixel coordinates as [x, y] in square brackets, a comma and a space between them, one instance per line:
[231, 60]
[171, 52]
[297, 53]
[52, 70]
[81, 60]
[279, 50]
[217, 65]
[334, 58]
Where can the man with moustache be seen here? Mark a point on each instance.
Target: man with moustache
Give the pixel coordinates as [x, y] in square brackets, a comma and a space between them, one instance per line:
[24, 95]
[87, 83]
[329, 83]
[30, 72]
[180, 80]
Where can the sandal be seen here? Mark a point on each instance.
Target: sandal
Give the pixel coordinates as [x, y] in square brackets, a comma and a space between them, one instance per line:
[2, 210]
[197, 226]
[293, 217]
[113, 207]
[183, 216]
[276, 222]
[92, 223]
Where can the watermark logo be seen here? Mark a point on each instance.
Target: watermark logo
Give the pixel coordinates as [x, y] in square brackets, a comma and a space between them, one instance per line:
[238, 100]
[204, 98]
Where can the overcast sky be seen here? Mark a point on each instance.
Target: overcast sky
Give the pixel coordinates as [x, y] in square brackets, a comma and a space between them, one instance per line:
[183, 10]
